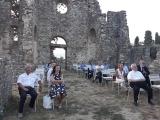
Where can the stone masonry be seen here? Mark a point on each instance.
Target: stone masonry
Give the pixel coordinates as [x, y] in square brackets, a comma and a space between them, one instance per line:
[27, 28]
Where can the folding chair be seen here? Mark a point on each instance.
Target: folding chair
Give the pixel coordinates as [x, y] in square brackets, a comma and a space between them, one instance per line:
[108, 78]
[156, 79]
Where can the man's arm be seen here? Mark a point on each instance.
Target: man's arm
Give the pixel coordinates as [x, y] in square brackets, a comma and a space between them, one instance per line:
[19, 81]
[40, 85]
[22, 87]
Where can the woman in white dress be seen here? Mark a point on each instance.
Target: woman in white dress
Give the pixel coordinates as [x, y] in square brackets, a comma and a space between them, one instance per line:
[120, 77]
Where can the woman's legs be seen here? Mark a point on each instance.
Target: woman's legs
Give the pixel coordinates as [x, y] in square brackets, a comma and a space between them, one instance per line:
[59, 98]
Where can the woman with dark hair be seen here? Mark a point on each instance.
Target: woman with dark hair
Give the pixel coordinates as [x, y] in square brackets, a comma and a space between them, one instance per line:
[57, 87]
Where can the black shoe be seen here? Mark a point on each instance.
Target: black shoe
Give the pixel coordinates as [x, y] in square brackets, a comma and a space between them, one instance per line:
[135, 103]
[151, 103]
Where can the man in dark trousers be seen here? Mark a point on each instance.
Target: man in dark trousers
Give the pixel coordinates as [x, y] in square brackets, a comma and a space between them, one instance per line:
[137, 81]
[144, 70]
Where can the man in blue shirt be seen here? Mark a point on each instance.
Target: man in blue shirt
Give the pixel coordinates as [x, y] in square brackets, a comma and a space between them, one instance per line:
[82, 65]
[105, 65]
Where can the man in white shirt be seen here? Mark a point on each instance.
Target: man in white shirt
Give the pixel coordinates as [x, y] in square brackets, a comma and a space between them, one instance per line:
[50, 71]
[99, 69]
[26, 83]
[137, 81]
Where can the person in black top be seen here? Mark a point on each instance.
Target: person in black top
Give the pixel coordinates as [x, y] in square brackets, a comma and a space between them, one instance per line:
[144, 70]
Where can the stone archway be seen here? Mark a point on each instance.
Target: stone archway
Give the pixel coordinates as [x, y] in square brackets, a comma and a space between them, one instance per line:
[56, 43]
[92, 39]
[35, 45]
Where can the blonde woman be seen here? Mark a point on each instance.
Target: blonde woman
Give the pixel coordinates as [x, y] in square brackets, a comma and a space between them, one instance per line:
[120, 77]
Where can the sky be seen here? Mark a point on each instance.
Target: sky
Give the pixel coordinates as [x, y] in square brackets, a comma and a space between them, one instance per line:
[142, 15]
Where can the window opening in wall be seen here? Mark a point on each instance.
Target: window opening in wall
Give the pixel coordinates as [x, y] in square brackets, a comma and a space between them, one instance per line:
[15, 9]
[15, 33]
[58, 40]
[62, 8]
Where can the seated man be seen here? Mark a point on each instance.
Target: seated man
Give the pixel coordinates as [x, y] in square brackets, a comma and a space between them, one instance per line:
[90, 70]
[105, 65]
[105, 68]
[82, 65]
[137, 81]
[99, 69]
[144, 70]
[125, 68]
[26, 86]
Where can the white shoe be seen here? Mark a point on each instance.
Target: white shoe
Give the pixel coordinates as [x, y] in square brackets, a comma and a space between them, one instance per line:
[20, 115]
[60, 106]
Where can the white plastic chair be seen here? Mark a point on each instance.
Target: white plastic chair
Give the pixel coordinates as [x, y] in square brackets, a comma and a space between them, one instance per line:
[108, 78]
[155, 78]
[64, 98]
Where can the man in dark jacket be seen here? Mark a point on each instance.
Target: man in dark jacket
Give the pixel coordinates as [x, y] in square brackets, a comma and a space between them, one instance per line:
[144, 70]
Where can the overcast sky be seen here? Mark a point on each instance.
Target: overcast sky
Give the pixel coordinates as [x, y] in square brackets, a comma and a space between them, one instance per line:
[142, 15]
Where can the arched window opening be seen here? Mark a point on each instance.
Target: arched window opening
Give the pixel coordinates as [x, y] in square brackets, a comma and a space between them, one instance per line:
[58, 40]
[92, 35]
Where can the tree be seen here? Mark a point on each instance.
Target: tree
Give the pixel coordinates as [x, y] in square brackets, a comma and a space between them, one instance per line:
[148, 38]
[136, 41]
[157, 40]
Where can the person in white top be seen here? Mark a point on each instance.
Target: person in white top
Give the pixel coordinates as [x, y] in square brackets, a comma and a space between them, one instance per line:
[120, 77]
[137, 81]
[26, 83]
[99, 69]
[50, 71]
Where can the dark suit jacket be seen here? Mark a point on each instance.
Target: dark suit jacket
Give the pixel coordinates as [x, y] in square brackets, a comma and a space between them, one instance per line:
[145, 69]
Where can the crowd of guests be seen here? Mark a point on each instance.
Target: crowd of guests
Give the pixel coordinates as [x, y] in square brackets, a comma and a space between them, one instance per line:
[137, 77]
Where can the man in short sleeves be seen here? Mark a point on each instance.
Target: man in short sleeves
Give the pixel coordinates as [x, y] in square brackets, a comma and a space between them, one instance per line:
[26, 83]
[99, 69]
[137, 81]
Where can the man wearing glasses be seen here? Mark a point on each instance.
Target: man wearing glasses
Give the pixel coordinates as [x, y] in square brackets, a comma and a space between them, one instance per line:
[144, 70]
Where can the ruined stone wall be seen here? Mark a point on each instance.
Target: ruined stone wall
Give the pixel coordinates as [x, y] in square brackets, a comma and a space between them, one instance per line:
[118, 37]
[5, 81]
[140, 53]
[72, 26]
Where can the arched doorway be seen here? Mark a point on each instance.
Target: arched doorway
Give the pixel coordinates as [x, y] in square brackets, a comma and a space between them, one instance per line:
[58, 50]
[92, 39]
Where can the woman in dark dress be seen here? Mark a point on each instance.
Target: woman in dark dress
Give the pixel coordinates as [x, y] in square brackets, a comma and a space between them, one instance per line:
[57, 87]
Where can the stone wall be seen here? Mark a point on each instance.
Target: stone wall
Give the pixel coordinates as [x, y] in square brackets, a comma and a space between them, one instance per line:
[118, 37]
[5, 81]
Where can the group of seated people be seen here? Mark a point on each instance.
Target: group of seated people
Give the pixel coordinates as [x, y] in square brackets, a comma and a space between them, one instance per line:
[26, 83]
[91, 68]
[137, 77]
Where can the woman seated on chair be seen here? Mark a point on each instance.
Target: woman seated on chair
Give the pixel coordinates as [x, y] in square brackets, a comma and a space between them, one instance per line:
[57, 87]
[120, 77]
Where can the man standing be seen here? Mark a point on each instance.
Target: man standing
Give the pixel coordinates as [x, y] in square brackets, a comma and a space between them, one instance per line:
[137, 81]
[144, 70]
[26, 83]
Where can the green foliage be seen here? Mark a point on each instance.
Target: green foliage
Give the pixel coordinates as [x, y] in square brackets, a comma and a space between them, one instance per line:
[136, 41]
[153, 52]
[157, 38]
[148, 38]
